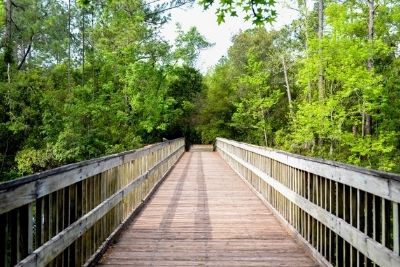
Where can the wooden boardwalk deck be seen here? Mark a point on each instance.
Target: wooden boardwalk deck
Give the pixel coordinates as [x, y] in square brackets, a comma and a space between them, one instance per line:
[205, 215]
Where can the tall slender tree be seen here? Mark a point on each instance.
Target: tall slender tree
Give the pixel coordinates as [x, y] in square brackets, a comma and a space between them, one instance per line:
[321, 87]
[370, 63]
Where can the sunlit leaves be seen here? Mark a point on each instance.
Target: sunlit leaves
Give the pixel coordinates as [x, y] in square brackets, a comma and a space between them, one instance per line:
[333, 127]
[133, 87]
[2, 14]
[258, 12]
[188, 45]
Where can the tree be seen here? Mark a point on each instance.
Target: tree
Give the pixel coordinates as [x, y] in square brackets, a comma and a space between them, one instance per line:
[338, 65]
[188, 45]
[91, 78]
[258, 11]
[217, 103]
[256, 102]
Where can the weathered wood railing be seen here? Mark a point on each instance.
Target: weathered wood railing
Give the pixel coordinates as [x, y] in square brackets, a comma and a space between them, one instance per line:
[64, 216]
[346, 216]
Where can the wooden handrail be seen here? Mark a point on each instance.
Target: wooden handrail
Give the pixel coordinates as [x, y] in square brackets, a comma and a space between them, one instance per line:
[62, 216]
[348, 216]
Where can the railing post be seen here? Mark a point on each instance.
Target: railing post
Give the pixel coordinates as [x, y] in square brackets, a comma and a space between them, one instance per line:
[349, 215]
[396, 230]
[61, 216]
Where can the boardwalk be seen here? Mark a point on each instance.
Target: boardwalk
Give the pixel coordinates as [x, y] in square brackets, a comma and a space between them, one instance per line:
[205, 215]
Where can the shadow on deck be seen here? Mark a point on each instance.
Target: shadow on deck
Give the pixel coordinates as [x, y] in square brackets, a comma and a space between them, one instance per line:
[205, 214]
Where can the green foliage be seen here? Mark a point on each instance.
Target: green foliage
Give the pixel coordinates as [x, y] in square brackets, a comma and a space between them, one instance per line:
[30, 160]
[335, 126]
[71, 98]
[256, 101]
[2, 14]
[217, 104]
[257, 11]
[246, 99]
[188, 45]
[118, 89]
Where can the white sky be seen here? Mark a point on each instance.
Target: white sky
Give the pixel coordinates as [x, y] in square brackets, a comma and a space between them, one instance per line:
[220, 35]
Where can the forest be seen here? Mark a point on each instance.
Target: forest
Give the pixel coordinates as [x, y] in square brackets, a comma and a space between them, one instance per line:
[81, 79]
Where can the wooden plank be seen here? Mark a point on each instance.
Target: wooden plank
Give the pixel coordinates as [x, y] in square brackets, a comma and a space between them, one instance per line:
[396, 228]
[204, 215]
[38, 220]
[131, 216]
[46, 218]
[27, 189]
[60, 220]
[79, 213]
[383, 222]
[26, 230]
[15, 236]
[383, 184]
[58, 243]
[376, 252]
[71, 261]
[3, 240]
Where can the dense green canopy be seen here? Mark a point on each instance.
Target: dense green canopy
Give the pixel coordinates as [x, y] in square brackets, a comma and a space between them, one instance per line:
[327, 85]
[92, 78]
[85, 79]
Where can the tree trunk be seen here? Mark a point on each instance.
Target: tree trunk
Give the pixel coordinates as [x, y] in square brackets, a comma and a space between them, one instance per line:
[8, 40]
[305, 8]
[289, 95]
[321, 87]
[265, 137]
[363, 122]
[69, 47]
[94, 84]
[28, 50]
[8, 22]
[83, 47]
[9, 72]
[370, 64]
[368, 124]
[354, 130]
[371, 30]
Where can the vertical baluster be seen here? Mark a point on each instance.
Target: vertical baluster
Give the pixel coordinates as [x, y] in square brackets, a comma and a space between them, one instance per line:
[359, 215]
[309, 198]
[60, 220]
[345, 217]
[318, 201]
[24, 229]
[337, 209]
[383, 222]
[38, 222]
[374, 215]
[28, 235]
[88, 241]
[367, 220]
[353, 222]
[71, 219]
[79, 207]
[53, 220]
[396, 230]
[93, 191]
[21, 232]
[3, 239]
[14, 218]
[326, 208]
[331, 239]
[46, 218]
